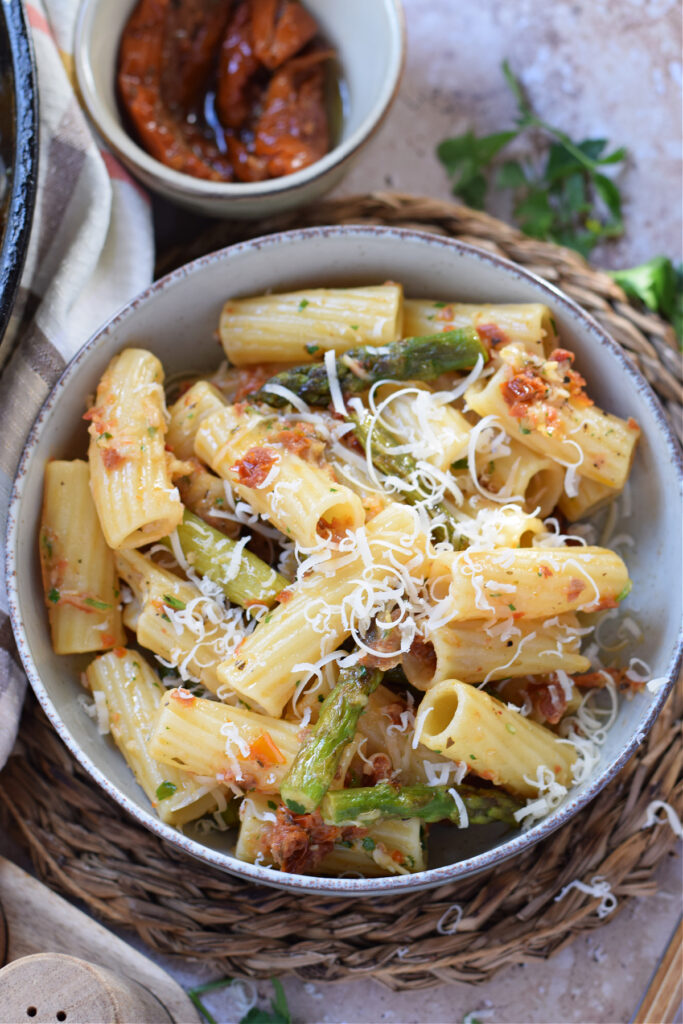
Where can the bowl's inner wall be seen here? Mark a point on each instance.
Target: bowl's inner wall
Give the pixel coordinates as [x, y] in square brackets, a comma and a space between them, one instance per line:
[178, 323]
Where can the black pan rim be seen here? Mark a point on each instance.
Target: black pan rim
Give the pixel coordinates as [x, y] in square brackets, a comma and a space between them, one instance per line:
[25, 164]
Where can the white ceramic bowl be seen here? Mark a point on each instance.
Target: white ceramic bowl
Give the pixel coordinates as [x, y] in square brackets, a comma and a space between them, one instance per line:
[176, 318]
[369, 38]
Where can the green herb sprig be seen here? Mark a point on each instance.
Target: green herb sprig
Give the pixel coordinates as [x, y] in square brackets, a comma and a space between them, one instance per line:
[278, 1014]
[658, 284]
[567, 199]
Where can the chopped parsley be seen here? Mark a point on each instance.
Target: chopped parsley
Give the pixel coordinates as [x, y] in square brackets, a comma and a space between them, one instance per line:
[100, 605]
[166, 789]
[302, 305]
[174, 602]
[368, 843]
[53, 596]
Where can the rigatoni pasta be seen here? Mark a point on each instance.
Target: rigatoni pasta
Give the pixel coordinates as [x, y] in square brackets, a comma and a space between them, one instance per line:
[79, 579]
[468, 725]
[264, 461]
[365, 615]
[501, 323]
[543, 404]
[299, 326]
[129, 468]
[131, 693]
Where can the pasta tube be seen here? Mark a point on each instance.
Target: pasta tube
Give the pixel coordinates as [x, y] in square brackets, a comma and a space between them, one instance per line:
[78, 572]
[301, 498]
[538, 481]
[301, 326]
[188, 413]
[176, 621]
[467, 725]
[129, 472]
[319, 616]
[528, 323]
[386, 728]
[439, 432]
[531, 400]
[132, 693]
[589, 498]
[531, 583]
[466, 651]
[389, 847]
[231, 745]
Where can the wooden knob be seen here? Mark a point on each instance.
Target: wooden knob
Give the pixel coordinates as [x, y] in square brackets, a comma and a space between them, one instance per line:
[51, 988]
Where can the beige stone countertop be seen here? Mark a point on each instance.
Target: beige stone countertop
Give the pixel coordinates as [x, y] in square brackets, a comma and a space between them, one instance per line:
[595, 68]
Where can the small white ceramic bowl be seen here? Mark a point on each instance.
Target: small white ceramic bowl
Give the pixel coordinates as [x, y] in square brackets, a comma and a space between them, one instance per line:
[176, 318]
[369, 38]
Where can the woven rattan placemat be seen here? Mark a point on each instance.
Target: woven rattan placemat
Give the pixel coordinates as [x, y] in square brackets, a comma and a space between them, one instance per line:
[83, 845]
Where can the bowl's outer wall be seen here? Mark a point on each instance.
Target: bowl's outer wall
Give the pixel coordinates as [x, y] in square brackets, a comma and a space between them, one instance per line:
[369, 40]
[177, 320]
[20, 153]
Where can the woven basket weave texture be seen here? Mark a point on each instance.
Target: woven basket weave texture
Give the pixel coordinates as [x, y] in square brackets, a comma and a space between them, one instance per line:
[85, 846]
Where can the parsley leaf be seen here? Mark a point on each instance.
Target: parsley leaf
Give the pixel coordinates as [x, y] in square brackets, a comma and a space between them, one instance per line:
[562, 197]
[166, 789]
[465, 157]
[659, 286]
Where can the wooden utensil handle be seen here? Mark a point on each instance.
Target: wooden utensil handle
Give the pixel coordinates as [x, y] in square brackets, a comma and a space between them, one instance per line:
[665, 992]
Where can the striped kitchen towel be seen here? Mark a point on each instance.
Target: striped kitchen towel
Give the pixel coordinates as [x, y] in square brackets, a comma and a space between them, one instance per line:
[91, 250]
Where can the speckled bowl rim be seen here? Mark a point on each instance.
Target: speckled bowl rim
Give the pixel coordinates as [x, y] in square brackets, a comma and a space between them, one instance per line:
[255, 873]
[133, 155]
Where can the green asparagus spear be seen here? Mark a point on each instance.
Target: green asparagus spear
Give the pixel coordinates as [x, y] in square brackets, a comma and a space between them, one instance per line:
[401, 465]
[317, 760]
[430, 803]
[210, 554]
[358, 369]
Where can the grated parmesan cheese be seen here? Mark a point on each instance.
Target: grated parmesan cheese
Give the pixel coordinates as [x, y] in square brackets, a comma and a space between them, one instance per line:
[463, 816]
[449, 920]
[102, 712]
[599, 888]
[652, 817]
[335, 389]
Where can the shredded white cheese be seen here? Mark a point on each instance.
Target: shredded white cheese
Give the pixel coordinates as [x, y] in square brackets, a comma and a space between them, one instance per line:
[449, 920]
[102, 712]
[652, 817]
[599, 888]
[335, 389]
